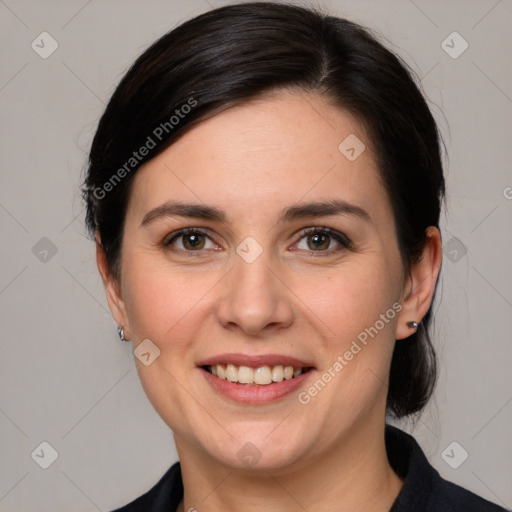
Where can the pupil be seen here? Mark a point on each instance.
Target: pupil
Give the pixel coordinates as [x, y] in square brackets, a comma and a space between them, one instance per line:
[193, 240]
[318, 240]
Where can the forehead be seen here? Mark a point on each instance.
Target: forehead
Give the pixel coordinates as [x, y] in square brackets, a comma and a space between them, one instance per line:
[281, 148]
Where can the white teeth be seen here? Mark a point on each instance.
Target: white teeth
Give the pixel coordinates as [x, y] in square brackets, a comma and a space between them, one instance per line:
[277, 373]
[246, 375]
[231, 373]
[262, 375]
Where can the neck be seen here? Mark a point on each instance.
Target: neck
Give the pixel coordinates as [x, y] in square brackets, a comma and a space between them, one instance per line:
[354, 476]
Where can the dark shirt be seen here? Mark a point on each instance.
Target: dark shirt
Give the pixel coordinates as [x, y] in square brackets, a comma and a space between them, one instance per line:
[423, 489]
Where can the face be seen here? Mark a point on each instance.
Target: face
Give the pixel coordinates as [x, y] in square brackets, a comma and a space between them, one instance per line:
[289, 259]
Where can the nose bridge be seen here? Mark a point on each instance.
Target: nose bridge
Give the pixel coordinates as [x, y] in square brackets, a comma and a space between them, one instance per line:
[253, 279]
[253, 297]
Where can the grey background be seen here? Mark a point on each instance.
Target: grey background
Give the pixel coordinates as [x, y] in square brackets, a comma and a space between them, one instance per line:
[65, 377]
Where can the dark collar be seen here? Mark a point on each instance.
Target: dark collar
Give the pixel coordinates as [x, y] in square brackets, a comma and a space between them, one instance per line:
[423, 490]
[410, 464]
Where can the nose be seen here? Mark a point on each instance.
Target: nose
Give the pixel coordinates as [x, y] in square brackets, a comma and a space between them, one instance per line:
[254, 300]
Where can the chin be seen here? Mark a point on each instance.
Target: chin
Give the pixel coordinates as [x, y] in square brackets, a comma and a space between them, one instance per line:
[260, 449]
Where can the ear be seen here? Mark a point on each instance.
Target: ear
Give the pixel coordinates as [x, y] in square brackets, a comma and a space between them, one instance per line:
[420, 285]
[112, 289]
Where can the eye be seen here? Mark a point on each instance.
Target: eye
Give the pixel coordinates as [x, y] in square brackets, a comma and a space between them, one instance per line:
[191, 240]
[320, 240]
[323, 240]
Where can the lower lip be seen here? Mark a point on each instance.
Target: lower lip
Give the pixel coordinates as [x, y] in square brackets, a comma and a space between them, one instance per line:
[254, 393]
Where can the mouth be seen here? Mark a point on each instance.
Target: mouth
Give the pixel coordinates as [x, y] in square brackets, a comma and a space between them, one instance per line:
[256, 379]
[261, 375]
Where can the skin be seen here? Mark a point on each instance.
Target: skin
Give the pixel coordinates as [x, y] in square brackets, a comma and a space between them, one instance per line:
[251, 161]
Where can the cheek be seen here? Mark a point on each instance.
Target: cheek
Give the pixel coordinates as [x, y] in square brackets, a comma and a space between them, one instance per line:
[162, 302]
[356, 307]
[350, 298]
[167, 307]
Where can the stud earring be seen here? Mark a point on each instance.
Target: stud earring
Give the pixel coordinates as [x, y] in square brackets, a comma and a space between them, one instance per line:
[120, 331]
[413, 325]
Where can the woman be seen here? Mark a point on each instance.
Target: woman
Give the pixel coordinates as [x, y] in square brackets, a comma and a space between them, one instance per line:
[264, 188]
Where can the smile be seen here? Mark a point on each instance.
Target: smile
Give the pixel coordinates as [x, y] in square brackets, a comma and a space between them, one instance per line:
[255, 378]
[262, 375]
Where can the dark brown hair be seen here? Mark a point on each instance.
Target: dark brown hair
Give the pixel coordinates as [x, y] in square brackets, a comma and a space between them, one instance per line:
[235, 53]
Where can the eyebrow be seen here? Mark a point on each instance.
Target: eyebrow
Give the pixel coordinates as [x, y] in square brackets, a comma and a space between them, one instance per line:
[291, 213]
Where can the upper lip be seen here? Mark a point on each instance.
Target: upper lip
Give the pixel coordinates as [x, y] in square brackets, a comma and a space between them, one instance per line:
[255, 361]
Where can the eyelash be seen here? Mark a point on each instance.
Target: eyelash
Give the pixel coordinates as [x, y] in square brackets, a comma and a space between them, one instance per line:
[342, 239]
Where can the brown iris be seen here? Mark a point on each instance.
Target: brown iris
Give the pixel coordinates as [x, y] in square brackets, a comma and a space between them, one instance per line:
[319, 241]
[193, 241]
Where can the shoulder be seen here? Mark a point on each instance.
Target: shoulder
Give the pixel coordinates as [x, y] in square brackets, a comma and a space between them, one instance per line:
[164, 496]
[424, 490]
[450, 497]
